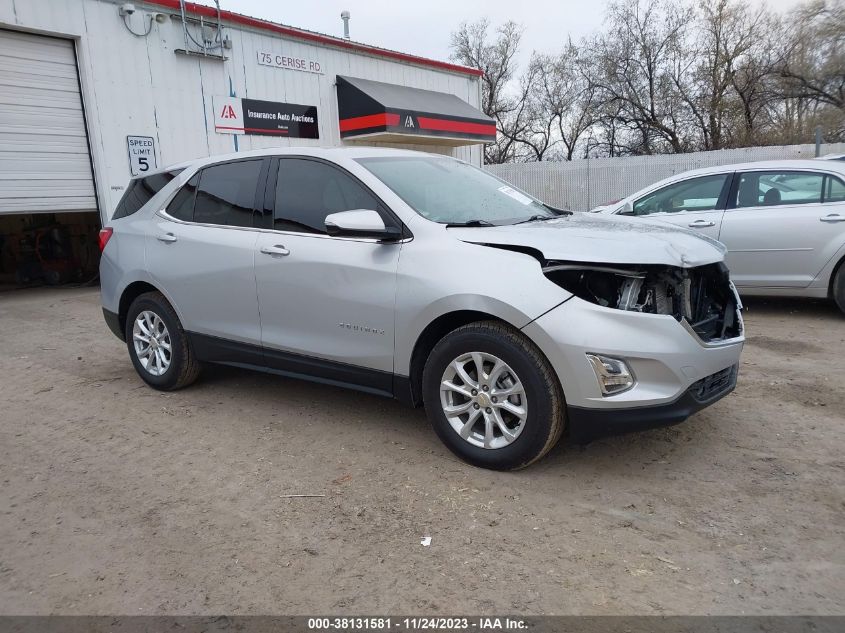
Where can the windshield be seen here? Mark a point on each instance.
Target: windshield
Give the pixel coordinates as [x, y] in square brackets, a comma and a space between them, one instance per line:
[451, 192]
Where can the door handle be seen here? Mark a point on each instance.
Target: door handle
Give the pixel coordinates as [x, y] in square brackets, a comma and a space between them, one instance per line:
[276, 250]
[833, 217]
[701, 224]
[166, 237]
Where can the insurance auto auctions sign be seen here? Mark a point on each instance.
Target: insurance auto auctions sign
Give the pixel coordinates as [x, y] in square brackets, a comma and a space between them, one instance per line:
[233, 115]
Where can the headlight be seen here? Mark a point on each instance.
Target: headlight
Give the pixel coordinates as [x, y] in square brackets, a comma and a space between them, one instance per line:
[703, 296]
[613, 374]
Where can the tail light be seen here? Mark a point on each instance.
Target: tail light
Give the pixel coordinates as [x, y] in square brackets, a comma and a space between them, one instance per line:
[104, 237]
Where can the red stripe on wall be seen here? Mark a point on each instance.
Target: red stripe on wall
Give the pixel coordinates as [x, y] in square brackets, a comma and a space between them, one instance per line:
[445, 125]
[371, 120]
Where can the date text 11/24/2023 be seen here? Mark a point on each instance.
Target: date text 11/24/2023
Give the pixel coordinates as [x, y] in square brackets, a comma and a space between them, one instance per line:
[415, 624]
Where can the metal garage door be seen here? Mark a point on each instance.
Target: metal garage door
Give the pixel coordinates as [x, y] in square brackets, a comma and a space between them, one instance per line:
[44, 161]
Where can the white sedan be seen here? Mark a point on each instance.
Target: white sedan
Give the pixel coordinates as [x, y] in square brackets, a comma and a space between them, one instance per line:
[783, 222]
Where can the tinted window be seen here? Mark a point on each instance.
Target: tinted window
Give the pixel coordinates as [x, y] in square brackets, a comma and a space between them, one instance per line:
[226, 193]
[834, 190]
[182, 205]
[773, 188]
[695, 194]
[307, 191]
[141, 190]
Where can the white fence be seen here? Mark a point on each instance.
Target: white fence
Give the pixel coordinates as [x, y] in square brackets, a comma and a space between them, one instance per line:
[583, 184]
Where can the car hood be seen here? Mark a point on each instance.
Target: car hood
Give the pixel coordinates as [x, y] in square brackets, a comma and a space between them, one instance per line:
[602, 239]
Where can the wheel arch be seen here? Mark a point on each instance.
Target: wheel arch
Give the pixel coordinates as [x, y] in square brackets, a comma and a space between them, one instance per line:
[431, 335]
[129, 294]
[834, 271]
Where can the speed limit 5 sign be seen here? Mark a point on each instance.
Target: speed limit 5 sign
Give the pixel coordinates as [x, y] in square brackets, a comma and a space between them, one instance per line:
[142, 154]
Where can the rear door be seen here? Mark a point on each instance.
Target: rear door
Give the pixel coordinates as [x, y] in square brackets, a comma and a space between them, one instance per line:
[782, 226]
[694, 203]
[201, 251]
[323, 297]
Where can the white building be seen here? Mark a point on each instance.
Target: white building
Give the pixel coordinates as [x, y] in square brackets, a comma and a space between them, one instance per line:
[95, 91]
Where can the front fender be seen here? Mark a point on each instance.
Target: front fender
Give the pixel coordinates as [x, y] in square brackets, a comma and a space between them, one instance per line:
[436, 279]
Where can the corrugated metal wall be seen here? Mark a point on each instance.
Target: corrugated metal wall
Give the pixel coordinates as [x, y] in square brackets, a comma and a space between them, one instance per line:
[583, 184]
[135, 85]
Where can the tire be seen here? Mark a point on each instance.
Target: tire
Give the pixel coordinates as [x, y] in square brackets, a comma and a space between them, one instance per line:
[838, 287]
[183, 367]
[524, 371]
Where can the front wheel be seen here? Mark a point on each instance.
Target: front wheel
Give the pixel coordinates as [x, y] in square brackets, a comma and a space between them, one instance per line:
[492, 396]
[158, 345]
[838, 287]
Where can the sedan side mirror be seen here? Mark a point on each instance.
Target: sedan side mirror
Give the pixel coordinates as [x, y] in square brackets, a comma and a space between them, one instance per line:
[360, 223]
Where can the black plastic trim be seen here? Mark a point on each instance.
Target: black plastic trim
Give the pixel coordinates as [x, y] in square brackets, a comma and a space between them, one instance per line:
[585, 424]
[113, 321]
[212, 349]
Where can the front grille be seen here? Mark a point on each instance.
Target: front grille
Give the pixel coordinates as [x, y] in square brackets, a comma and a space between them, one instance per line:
[714, 385]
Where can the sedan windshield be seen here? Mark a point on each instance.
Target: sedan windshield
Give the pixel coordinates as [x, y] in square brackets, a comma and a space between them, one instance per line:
[451, 192]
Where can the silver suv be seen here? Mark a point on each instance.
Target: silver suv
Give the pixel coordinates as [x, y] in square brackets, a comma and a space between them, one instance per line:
[422, 278]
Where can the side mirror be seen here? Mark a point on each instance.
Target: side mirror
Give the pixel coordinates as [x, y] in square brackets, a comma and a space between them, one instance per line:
[360, 223]
[627, 209]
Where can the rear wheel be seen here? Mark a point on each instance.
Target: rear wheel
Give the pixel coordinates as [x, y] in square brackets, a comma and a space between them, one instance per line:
[492, 396]
[838, 287]
[158, 346]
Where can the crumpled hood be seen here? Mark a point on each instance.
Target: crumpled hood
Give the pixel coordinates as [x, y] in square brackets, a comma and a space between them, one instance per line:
[603, 239]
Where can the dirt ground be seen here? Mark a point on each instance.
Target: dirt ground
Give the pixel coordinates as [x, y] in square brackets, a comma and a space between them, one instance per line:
[117, 499]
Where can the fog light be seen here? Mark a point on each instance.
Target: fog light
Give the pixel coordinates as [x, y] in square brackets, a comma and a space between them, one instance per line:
[613, 374]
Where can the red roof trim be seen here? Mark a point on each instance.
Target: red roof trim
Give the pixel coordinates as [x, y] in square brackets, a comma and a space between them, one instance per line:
[237, 18]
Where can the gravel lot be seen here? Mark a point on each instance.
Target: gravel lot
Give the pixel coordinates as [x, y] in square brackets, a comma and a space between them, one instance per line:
[117, 499]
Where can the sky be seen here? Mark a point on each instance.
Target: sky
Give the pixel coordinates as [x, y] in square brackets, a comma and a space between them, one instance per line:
[424, 28]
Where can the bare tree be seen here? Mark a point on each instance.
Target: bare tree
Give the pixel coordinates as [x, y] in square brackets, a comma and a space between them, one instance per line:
[564, 97]
[636, 57]
[494, 55]
[723, 43]
[813, 62]
[665, 76]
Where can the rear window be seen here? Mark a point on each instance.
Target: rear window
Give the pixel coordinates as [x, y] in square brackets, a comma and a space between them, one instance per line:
[141, 190]
[226, 193]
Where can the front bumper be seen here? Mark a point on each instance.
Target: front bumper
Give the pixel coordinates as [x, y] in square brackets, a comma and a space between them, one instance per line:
[666, 358]
[586, 424]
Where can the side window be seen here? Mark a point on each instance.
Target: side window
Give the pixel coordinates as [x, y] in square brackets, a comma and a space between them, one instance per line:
[307, 191]
[140, 191]
[774, 188]
[834, 189]
[226, 193]
[182, 205]
[695, 194]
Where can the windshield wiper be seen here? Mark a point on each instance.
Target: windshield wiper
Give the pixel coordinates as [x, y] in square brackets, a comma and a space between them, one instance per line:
[558, 211]
[536, 218]
[471, 223]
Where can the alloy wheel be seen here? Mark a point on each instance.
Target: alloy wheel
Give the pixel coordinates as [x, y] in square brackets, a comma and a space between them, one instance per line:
[152, 343]
[483, 400]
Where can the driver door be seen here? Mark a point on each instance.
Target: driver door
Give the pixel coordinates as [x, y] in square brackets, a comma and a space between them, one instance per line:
[326, 303]
[695, 203]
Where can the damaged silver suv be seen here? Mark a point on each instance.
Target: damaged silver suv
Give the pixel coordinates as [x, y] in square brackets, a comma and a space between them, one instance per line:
[425, 279]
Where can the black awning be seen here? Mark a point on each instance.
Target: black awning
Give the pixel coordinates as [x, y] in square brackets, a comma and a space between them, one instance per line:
[387, 112]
